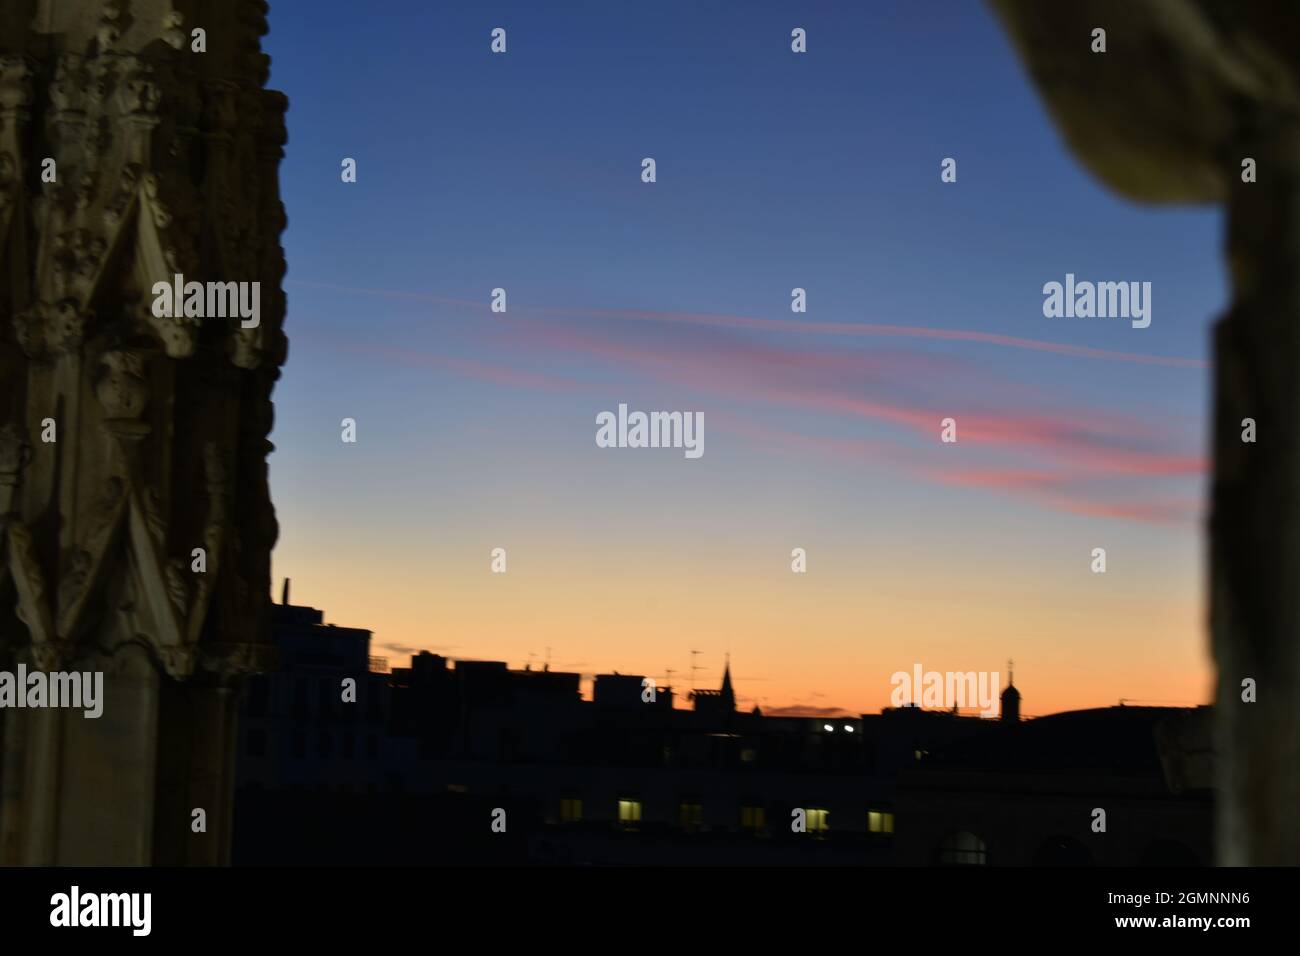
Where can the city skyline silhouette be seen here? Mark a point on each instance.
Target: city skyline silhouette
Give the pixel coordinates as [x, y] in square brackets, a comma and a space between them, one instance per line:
[477, 429]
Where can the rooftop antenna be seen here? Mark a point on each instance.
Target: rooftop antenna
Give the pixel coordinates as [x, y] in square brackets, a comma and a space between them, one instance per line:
[669, 672]
[548, 660]
[694, 668]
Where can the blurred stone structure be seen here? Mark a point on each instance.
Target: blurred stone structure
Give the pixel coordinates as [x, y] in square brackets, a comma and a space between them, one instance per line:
[1185, 92]
[128, 441]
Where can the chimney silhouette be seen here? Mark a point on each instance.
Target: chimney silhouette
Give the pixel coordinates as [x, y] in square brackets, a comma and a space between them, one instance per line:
[284, 594]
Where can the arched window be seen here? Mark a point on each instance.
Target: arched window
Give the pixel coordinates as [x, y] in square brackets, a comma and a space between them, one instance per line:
[962, 849]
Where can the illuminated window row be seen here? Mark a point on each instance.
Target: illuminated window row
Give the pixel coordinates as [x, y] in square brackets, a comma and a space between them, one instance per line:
[690, 815]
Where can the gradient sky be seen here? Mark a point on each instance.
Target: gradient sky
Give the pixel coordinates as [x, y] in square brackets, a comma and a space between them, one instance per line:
[775, 170]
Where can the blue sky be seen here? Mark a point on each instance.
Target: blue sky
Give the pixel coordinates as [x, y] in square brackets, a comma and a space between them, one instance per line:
[775, 170]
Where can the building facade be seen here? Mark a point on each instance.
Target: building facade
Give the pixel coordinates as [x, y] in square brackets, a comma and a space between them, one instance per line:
[450, 747]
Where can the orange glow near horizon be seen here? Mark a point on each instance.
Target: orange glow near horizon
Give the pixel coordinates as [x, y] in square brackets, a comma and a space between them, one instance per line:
[825, 641]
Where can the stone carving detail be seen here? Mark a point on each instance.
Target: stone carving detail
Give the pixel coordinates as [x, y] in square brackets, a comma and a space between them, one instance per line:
[72, 585]
[15, 453]
[122, 391]
[8, 181]
[231, 660]
[166, 165]
[15, 84]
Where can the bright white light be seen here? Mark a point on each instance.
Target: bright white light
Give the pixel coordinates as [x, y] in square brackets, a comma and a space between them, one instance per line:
[828, 726]
[848, 728]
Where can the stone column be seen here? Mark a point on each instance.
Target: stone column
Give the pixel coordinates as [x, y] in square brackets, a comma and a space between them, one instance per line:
[1255, 523]
[1182, 93]
[137, 143]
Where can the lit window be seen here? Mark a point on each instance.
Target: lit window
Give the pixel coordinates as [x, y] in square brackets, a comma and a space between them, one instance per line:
[629, 812]
[690, 815]
[878, 821]
[818, 820]
[963, 849]
[570, 810]
[753, 818]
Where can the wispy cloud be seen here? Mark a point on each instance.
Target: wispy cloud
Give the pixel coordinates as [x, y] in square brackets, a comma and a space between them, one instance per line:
[902, 389]
[413, 650]
[1053, 457]
[795, 326]
[1060, 489]
[798, 710]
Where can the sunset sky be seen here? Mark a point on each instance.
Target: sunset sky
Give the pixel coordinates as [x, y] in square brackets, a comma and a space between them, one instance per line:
[775, 170]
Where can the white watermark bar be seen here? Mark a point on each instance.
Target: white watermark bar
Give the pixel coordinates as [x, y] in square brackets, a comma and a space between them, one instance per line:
[77, 909]
[946, 689]
[64, 689]
[1101, 300]
[683, 430]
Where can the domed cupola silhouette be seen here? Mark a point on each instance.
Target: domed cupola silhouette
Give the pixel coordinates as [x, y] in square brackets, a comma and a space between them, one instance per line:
[1010, 696]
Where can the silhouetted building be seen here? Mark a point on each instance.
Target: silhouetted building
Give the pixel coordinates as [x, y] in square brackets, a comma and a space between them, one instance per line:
[629, 693]
[431, 750]
[1040, 792]
[1010, 698]
[720, 702]
[304, 726]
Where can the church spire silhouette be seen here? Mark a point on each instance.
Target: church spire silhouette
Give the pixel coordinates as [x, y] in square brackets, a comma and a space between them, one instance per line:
[728, 695]
[1011, 696]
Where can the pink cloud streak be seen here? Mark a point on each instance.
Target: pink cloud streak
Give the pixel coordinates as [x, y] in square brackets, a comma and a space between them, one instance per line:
[754, 324]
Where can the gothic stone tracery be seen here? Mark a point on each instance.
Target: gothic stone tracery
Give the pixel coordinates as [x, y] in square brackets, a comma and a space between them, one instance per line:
[164, 163]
